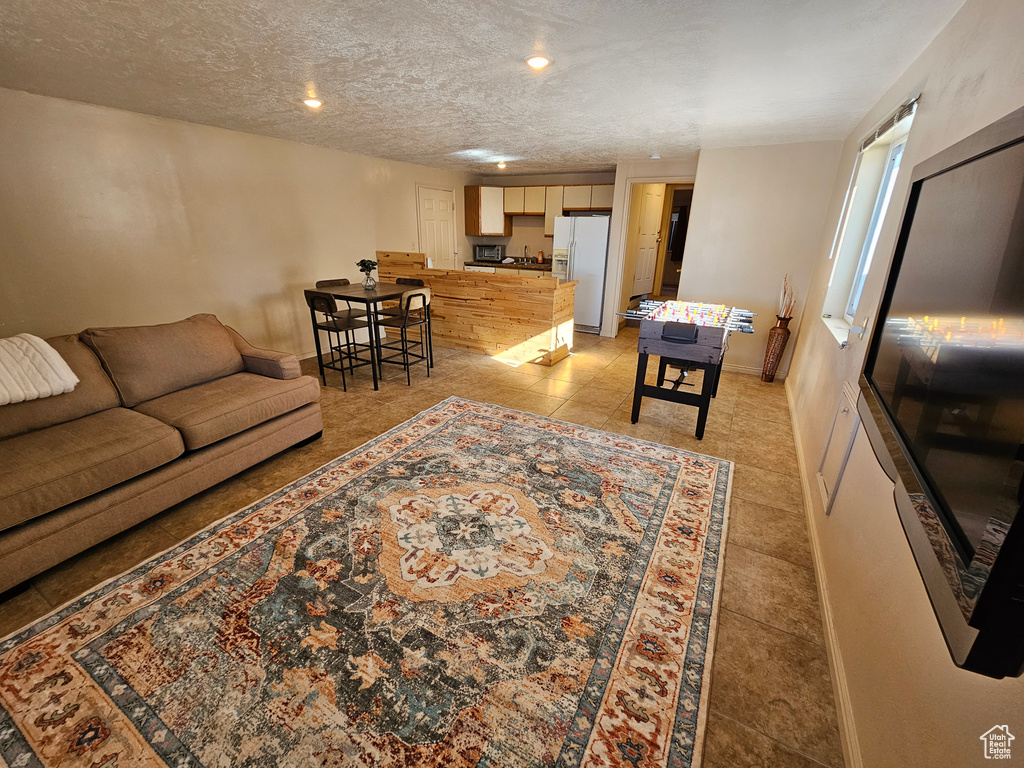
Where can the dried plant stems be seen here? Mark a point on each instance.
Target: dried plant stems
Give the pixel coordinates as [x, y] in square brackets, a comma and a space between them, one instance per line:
[787, 301]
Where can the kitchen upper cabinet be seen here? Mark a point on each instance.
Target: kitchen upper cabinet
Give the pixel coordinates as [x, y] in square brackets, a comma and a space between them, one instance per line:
[601, 196]
[552, 208]
[576, 197]
[485, 212]
[533, 201]
[514, 199]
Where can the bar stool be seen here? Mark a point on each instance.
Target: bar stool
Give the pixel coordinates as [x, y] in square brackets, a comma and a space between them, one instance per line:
[395, 310]
[414, 312]
[325, 285]
[337, 323]
[393, 307]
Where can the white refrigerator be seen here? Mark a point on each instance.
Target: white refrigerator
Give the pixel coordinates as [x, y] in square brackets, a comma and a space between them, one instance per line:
[580, 252]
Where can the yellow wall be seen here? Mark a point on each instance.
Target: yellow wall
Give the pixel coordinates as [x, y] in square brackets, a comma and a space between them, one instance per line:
[113, 218]
[901, 699]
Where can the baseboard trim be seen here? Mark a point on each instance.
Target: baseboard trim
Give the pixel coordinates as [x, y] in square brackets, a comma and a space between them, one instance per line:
[840, 689]
[750, 369]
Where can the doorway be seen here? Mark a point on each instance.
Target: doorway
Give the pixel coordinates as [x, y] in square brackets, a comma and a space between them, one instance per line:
[675, 220]
[647, 238]
[656, 236]
[435, 213]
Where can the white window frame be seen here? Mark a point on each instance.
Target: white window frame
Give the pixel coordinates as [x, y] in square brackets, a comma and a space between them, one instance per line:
[884, 196]
[856, 239]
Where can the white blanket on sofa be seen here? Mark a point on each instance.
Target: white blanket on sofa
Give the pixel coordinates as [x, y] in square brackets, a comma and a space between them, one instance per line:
[30, 368]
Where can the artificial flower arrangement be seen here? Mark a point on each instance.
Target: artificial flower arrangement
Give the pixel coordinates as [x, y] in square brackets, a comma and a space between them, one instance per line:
[366, 266]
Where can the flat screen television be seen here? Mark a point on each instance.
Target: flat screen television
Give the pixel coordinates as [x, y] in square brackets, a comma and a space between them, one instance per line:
[942, 391]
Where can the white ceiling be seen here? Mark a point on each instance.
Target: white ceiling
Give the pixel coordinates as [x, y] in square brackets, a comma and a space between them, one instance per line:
[443, 82]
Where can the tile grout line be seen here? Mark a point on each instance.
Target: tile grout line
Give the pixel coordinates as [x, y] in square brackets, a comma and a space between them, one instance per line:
[773, 627]
[809, 568]
[721, 714]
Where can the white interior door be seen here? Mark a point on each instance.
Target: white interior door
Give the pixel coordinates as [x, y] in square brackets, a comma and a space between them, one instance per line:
[648, 237]
[436, 211]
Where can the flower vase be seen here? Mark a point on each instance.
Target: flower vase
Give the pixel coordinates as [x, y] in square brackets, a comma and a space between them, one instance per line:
[368, 282]
[777, 338]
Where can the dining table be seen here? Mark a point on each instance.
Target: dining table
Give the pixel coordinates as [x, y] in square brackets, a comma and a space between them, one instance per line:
[370, 298]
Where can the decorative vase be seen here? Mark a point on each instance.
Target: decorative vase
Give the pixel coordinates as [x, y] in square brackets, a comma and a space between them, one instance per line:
[777, 338]
[368, 282]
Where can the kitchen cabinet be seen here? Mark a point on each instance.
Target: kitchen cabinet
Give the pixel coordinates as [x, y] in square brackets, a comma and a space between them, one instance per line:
[524, 272]
[576, 197]
[514, 199]
[601, 196]
[552, 208]
[508, 270]
[533, 201]
[485, 212]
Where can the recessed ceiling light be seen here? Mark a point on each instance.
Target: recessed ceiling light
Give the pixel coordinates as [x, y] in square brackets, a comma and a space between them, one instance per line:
[502, 165]
[538, 62]
[655, 157]
[313, 103]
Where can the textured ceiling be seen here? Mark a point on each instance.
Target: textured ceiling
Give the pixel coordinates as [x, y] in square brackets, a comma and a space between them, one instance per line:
[443, 83]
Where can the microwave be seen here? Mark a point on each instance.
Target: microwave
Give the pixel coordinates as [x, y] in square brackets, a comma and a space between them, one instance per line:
[489, 252]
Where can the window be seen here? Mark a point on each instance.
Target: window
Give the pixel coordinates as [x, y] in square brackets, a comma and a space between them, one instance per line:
[864, 210]
[892, 167]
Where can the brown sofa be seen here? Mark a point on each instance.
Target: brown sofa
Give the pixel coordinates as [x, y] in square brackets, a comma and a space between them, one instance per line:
[161, 412]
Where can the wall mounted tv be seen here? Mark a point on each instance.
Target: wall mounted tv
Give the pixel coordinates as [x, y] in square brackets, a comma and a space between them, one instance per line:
[942, 391]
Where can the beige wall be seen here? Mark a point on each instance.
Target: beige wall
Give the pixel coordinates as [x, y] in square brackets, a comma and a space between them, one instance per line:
[902, 700]
[114, 218]
[756, 215]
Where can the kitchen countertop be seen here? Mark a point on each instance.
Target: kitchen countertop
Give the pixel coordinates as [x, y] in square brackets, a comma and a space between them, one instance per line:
[545, 267]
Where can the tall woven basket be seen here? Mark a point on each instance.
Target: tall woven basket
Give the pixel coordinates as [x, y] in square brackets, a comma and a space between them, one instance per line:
[777, 339]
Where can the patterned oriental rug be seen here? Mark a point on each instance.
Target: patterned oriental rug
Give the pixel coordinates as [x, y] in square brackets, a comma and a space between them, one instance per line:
[477, 587]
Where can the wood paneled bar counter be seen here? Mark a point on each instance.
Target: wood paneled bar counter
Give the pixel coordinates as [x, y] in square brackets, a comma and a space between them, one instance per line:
[518, 318]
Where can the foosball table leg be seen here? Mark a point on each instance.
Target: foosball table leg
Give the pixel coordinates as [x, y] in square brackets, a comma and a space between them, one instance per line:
[638, 388]
[702, 420]
[662, 366]
[718, 376]
[707, 391]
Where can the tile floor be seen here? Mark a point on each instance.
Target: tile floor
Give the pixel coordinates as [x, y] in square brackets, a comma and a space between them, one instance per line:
[771, 694]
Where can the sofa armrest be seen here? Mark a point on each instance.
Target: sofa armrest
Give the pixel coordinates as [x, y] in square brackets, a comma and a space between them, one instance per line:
[265, 362]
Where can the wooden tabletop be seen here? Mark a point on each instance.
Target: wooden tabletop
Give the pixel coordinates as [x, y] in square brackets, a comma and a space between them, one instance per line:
[356, 292]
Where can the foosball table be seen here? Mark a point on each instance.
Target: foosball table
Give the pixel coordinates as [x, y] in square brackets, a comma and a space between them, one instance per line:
[687, 335]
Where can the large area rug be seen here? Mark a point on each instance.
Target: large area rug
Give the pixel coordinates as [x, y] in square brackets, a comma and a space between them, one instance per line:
[477, 587]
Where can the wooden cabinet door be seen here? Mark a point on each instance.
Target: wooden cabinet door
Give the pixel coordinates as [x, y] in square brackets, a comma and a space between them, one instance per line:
[552, 208]
[514, 198]
[485, 212]
[576, 197]
[533, 201]
[601, 197]
[492, 211]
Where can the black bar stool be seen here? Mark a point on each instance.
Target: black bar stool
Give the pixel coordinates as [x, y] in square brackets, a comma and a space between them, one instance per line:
[413, 312]
[338, 324]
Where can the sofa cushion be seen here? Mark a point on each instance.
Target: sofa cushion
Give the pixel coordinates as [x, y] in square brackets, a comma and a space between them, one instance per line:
[217, 409]
[148, 361]
[93, 393]
[43, 470]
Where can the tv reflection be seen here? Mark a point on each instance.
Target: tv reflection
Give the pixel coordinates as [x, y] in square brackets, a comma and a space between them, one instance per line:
[956, 387]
